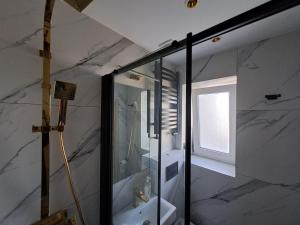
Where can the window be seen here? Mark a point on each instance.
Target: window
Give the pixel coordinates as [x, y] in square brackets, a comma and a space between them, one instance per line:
[213, 123]
[214, 119]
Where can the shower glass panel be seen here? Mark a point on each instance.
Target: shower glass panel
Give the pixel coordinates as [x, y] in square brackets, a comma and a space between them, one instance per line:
[173, 135]
[135, 147]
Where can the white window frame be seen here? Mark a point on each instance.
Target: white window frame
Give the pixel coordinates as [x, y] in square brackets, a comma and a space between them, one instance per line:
[198, 160]
[208, 88]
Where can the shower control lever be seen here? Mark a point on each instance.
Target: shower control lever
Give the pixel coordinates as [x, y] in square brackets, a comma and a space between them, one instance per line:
[139, 195]
[44, 129]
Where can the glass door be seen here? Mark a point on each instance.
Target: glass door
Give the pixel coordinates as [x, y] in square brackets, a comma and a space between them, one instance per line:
[136, 147]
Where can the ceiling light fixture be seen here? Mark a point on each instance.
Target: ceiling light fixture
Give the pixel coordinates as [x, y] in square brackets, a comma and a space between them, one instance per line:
[191, 3]
[216, 39]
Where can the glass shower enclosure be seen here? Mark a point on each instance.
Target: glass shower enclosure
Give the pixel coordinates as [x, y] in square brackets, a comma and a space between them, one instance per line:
[132, 139]
[136, 138]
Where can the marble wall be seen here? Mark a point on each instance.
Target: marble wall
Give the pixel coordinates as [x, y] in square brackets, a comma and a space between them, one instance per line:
[266, 188]
[127, 135]
[82, 51]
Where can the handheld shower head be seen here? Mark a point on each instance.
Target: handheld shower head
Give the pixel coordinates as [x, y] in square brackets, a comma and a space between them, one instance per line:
[64, 91]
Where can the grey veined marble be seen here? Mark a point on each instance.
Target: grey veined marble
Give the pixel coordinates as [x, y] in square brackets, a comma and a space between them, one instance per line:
[82, 51]
[266, 188]
[20, 162]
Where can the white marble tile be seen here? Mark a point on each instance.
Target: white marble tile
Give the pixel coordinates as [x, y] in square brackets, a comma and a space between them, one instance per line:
[25, 17]
[19, 71]
[82, 142]
[21, 163]
[168, 158]
[26, 213]
[24, 82]
[267, 145]
[177, 198]
[254, 202]
[212, 183]
[82, 50]
[269, 67]
[90, 205]
[266, 189]
[17, 140]
[213, 67]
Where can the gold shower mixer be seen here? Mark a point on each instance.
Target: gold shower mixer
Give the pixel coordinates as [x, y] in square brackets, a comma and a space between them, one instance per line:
[58, 218]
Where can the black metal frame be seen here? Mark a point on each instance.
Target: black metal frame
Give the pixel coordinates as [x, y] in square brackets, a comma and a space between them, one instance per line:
[188, 128]
[159, 106]
[106, 154]
[148, 113]
[157, 97]
[258, 13]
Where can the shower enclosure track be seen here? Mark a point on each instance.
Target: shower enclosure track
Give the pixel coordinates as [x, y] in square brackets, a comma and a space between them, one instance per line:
[263, 11]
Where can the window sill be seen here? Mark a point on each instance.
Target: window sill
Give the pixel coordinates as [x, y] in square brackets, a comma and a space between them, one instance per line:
[214, 165]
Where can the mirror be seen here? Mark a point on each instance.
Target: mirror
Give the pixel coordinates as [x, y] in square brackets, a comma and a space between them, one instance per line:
[133, 124]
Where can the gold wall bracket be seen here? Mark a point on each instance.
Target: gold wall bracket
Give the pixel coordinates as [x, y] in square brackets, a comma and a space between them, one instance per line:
[41, 53]
[44, 129]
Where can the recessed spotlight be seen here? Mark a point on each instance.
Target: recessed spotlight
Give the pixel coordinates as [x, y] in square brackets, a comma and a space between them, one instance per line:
[216, 39]
[191, 3]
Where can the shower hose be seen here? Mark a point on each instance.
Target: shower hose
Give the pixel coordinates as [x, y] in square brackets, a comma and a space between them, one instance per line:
[68, 172]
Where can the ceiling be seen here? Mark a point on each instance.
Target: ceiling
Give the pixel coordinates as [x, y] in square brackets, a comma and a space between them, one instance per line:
[150, 23]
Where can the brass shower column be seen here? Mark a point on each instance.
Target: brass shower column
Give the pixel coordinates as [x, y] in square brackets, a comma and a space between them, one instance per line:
[46, 128]
[46, 109]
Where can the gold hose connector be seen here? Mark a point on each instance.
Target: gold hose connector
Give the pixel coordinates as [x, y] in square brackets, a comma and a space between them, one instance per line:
[68, 172]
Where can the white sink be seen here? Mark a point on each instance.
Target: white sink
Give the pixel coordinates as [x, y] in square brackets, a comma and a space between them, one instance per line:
[147, 211]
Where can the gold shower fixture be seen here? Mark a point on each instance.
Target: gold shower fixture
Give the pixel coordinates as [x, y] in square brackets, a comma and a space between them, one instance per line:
[63, 91]
[191, 3]
[216, 39]
[45, 127]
